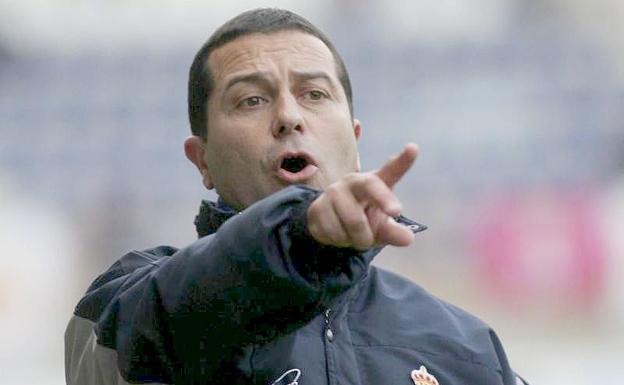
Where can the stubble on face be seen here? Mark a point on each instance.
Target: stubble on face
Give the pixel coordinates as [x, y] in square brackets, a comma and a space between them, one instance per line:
[242, 145]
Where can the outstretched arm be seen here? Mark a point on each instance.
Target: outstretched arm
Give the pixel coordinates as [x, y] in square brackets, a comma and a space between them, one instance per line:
[170, 316]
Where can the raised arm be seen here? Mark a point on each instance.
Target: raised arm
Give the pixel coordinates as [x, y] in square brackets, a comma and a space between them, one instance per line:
[161, 314]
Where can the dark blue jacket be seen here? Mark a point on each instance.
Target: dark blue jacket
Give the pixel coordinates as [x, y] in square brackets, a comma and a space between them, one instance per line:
[256, 301]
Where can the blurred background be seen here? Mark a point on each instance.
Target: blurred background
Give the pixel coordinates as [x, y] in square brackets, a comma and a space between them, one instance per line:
[518, 107]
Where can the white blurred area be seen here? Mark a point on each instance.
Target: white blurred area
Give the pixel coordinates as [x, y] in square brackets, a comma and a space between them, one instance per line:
[518, 107]
[36, 287]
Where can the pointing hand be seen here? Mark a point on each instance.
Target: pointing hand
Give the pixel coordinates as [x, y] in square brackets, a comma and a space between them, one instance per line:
[357, 211]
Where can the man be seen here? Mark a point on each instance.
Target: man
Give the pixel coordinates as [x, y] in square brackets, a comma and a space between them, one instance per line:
[279, 287]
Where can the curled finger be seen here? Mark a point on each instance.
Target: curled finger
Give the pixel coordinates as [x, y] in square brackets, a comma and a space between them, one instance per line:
[354, 220]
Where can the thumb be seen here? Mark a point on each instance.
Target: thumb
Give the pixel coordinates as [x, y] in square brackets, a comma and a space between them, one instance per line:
[386, 230]
[393, 233]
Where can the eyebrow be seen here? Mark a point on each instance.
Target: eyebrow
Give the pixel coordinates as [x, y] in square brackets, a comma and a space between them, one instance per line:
[312, 75]
[262, 78]
[255, 77]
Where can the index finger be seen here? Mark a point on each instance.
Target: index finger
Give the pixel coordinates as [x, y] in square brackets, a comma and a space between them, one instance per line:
[396, 167]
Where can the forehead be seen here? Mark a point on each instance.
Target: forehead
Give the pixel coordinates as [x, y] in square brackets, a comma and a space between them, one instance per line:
[275, 51]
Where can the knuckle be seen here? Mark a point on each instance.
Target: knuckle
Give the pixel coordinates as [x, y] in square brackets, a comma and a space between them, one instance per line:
[375, 184]
[354, 177]
[356, 224]
[314, 209]
[319, 234]
[332, 192]
[337, 238]
[313, 228]
[367, 181]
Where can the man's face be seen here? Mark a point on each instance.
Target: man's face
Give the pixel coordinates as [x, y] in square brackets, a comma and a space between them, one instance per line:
[277, 115]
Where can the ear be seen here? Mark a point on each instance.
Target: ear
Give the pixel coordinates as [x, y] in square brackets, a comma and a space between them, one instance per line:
[357, 131]
[357, 128]
[195, 151]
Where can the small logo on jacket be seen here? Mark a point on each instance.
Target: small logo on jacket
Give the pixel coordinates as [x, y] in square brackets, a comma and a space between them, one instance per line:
[422, 377]
[290, 377]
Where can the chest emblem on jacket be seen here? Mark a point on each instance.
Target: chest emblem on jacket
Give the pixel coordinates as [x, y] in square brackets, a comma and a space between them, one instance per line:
[290, 377]
[422, 377]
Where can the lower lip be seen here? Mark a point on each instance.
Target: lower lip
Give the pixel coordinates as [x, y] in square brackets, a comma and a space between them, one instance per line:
[297, 177]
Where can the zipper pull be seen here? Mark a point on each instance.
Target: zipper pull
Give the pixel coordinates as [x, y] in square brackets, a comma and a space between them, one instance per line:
[329, 334]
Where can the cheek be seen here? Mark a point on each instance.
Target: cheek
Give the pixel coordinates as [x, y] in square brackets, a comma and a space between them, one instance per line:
[234, 130]
[341, 134]
[235, 155]
[226, 136]
[230, 157]
[340, 146]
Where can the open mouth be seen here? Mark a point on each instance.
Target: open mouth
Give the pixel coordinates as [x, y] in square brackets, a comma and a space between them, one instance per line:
[294, 164]
[296, 167]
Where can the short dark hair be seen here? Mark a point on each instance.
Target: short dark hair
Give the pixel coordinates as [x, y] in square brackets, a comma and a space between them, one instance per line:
[262, 20]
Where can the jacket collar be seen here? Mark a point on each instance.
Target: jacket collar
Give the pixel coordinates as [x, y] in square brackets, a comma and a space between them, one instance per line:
[211, 216]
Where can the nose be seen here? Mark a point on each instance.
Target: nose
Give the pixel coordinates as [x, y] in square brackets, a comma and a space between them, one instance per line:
[288, 116]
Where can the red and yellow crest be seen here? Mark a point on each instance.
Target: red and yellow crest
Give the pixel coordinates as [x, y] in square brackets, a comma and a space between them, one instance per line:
[422, 377]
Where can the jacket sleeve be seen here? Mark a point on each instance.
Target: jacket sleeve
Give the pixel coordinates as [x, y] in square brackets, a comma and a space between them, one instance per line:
[189, 314]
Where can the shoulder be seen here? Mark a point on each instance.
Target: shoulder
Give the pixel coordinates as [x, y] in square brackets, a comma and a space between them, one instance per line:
[387, 289]
[402, 313]
[129, 267]
[130, 262]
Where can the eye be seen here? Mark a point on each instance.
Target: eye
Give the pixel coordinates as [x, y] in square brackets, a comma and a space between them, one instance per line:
[315, 95]
[252, 101]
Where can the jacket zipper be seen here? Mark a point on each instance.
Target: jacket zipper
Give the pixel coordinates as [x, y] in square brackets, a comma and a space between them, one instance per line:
[329, 333]
[329, 355]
